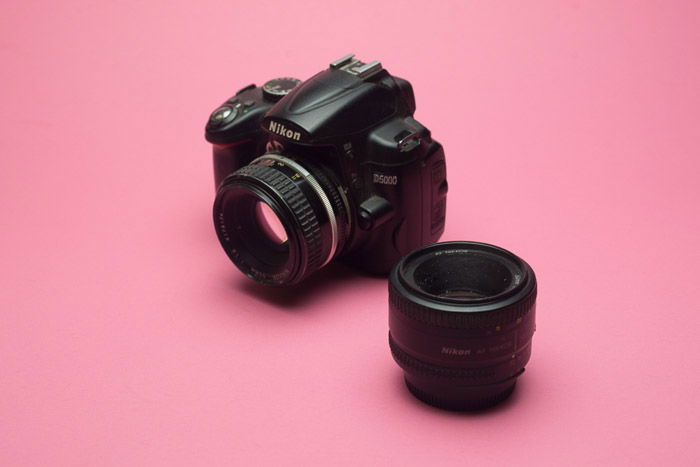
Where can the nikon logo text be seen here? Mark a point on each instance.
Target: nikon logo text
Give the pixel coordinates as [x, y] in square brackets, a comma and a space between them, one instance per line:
[281, 130]
[454, 351]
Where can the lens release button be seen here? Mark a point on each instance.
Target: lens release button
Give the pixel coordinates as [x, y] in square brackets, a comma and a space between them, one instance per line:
[374, 211]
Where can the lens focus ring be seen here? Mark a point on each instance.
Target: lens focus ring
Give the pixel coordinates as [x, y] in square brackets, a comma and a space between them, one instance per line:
[296, 201]
[432, 317]
[281, 218]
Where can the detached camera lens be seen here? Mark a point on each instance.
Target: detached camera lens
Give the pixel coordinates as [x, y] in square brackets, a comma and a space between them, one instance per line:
[461, 320]
[280, 219]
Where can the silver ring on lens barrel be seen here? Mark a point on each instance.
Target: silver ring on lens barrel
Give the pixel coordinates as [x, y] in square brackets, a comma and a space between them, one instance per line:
[319, 191]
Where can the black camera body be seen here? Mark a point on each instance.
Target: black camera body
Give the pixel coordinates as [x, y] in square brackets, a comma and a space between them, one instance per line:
[339, 160]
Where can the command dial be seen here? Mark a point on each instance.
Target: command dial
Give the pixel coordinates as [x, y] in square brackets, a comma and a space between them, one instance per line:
[277, 88]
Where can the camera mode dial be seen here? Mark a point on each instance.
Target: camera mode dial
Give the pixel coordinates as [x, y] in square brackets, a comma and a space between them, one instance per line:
[277, 88]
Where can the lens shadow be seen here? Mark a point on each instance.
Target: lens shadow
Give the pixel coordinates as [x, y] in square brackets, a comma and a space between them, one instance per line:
[324, 283]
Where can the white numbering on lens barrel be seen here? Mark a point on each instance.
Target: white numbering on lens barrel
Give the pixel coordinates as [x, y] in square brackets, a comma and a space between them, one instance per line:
[319, 191]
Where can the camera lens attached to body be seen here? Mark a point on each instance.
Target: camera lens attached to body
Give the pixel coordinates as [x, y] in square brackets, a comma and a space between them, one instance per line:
[296, 163]
[280, 219]
[461, 320]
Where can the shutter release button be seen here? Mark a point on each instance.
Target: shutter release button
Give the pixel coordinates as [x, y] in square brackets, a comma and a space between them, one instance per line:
[223, 114]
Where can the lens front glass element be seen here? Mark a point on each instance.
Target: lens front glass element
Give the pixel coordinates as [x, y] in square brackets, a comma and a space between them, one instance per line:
[255, 229]
[269, 223]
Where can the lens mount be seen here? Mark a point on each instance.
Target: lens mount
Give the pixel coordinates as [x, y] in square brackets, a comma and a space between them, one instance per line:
[294, 194]
[461, 319]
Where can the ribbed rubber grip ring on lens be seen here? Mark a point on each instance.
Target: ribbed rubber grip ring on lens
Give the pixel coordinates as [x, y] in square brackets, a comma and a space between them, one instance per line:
[297, 202]
[461, 320]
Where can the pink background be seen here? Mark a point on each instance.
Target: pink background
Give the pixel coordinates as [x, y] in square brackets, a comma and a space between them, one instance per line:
[127, 338]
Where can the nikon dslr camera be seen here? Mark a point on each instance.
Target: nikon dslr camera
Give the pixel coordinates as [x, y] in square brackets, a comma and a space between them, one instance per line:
[334, 167]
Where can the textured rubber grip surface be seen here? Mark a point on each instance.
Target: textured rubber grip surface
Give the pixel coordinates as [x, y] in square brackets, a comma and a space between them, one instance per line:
[473, 320]
[297, 202]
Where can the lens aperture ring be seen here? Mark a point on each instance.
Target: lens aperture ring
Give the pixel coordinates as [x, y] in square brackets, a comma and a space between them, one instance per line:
[340, 206]
[297, 202]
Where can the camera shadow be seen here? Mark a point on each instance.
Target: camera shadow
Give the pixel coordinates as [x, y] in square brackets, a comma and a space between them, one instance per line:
[324, 283]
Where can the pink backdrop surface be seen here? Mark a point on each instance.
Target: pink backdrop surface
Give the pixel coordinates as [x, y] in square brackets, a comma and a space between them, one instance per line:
[571, 131]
